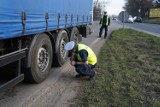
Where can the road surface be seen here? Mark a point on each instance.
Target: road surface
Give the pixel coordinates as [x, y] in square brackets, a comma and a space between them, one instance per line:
[153, 29]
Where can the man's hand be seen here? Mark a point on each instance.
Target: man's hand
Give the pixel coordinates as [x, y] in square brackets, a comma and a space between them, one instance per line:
[73, 63]
[72, 57]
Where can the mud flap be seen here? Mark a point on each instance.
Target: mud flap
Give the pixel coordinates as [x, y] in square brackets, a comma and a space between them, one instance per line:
[85, 30]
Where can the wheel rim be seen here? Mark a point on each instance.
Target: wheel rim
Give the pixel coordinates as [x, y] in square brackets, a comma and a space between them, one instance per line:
[63, 52]
[43, 59]
[75, 38]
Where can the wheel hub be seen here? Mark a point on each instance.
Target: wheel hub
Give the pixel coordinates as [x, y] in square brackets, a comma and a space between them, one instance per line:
[43, 59]
[63, 52]
[75, 38]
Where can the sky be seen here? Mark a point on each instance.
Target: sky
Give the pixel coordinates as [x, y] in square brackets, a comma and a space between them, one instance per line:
[114, 7]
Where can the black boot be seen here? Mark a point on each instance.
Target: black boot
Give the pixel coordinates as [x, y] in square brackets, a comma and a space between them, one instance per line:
[79, 75]
[105, 36]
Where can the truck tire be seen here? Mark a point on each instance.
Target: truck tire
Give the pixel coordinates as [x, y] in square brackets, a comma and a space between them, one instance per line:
[41, 55]
[61, 54]
[75, 36]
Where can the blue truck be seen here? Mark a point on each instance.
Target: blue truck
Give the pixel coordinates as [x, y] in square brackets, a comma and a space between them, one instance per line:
[33, 34]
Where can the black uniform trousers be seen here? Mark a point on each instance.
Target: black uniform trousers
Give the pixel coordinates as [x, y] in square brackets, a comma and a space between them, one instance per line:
[85, 69]
[101, 29]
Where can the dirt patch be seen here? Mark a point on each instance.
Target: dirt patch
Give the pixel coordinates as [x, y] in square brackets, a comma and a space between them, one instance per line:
[59, 89]
[62, 93]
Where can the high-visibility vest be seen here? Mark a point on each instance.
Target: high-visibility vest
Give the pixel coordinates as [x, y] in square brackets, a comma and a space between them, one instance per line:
[106, 20]
[92, 59]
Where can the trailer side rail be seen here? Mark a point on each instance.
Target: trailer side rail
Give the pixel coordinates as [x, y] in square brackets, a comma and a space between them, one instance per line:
[7, 59]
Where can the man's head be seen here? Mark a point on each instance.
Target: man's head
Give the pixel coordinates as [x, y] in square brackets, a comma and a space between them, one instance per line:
[105, 12]
[69, 46]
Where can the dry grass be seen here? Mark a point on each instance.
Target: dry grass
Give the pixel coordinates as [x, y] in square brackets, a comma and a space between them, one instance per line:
[128, 73]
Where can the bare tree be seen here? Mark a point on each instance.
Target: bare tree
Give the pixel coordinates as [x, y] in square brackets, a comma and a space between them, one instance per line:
[98, 7]
[138, 7]
[97, 10]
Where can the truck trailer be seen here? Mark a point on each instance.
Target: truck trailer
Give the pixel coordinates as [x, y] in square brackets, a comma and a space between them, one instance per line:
[33, 34]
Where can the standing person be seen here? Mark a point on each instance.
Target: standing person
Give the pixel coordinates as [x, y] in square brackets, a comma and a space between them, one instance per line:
[82, 58]
[105, 22]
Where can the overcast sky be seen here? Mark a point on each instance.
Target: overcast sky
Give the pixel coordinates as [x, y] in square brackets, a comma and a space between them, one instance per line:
[114, 7]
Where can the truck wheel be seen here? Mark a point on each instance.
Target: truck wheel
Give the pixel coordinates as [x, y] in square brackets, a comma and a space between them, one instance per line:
[40, 59]
[61, 54]
[75, 36]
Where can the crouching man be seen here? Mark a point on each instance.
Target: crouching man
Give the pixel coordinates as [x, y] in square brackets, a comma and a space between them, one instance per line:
[82, 58]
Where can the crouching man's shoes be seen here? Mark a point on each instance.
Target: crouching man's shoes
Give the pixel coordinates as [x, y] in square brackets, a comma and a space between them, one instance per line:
[78, 76]
[91, 78]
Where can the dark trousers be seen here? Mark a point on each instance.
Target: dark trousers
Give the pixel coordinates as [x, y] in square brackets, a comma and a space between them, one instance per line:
[101, 29]
[85, 69]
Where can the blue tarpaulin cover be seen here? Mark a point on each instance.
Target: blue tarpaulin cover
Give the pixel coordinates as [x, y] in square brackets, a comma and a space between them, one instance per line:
[35, 10]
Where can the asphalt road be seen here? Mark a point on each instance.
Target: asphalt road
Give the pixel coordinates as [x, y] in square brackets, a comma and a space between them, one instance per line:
[153, 29]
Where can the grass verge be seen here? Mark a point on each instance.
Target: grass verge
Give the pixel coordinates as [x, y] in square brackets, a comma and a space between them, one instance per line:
[128, 73]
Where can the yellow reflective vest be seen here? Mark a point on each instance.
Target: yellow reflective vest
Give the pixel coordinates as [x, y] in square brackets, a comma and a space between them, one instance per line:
[92, 59]
[106, 20]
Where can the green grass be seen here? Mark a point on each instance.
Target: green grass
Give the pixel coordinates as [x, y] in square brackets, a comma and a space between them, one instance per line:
[128, 73]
